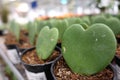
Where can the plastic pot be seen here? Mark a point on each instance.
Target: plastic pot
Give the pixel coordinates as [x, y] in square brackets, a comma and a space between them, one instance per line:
[39, 71]
[111, 66]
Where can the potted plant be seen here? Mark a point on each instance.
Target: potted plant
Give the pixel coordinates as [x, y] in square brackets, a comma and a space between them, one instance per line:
[16, 36]
[86, 53]
[38, 60]
[114, 24]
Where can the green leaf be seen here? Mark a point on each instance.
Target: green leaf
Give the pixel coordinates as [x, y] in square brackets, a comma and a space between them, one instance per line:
[46, 42]
[74, 20]
[15, 29]
[88, 51]
[61, 25]
[32, 32]
[114, 24]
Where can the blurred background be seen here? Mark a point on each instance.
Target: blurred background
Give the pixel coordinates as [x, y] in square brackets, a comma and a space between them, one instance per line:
[28, 10]
[25, 11]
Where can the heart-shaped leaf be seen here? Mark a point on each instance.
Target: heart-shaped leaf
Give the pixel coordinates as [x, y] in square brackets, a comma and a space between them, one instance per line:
[112, 22]
[73, 20]
[88, 51]
[46, 42]
[61, 25]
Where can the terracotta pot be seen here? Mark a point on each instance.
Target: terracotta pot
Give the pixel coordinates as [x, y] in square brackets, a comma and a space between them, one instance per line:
[39, 69]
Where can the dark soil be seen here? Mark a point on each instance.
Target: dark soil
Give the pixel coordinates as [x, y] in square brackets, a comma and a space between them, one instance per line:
[62, 72]
[32, 58]
[23, 41]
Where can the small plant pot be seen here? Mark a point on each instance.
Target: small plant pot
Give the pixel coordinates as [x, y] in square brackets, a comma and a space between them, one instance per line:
[39, 71]
[13, 53]
[73, 76]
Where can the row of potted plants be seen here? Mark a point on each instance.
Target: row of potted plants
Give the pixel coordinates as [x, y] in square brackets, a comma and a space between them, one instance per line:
[86, 48]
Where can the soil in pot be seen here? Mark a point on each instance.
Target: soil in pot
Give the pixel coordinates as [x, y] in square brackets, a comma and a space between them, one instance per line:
[62, 72]
[35, 65]
[23, 41]
[32, 58]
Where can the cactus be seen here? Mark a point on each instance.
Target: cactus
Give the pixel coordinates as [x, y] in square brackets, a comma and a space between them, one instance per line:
[88, 51]
[32, 32]
[15, 29]
[61, 25]
[46, 42]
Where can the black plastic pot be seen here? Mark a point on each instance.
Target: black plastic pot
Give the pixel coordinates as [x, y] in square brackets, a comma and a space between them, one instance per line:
[39, 68]
[111, 66]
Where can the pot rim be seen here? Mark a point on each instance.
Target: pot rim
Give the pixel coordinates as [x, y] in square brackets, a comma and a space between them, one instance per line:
[110, 66]
[30, 49]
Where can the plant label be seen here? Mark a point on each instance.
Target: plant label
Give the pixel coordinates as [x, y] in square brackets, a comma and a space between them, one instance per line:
[13, 56]
[35, 76]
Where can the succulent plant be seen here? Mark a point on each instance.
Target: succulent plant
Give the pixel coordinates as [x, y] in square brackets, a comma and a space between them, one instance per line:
[40, 25]
[99, 19]
[88, 51]
[86, 20]
[73, 20]
[32, 30]
[46, 42]
[112, 22]
[61, 25]
[15, 29]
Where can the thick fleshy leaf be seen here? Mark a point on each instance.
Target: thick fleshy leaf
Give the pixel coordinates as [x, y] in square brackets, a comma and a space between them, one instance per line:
[88, 51]
[15, 29]
[46, 42]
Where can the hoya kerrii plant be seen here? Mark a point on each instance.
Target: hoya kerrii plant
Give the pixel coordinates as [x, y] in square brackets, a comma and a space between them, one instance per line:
[61, 25]
[34, 28]
[88, 51]
[112, 22]
[40, 58]
[46, 42]
[82, 21]
[15, 29]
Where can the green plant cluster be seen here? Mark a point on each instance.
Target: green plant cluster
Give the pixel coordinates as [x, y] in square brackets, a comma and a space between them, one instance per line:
[88, 42]
[112, 22]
